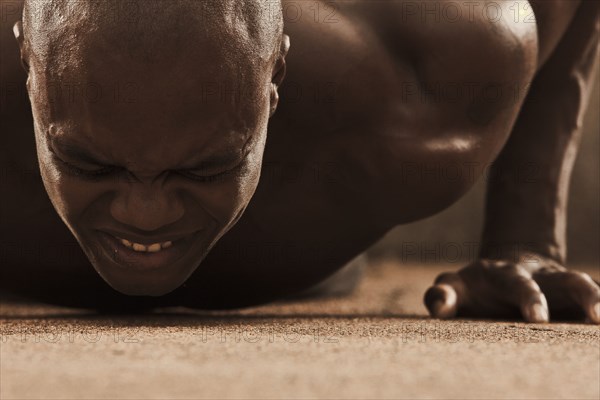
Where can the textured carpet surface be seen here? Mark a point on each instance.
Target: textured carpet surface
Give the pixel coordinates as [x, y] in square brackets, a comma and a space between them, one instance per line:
[375, 343]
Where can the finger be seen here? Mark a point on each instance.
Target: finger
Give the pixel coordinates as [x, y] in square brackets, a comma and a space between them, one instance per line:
[445, 296]
[441, 302]
[530, 299]
[513, 286]
[536, 311]
[578, 290]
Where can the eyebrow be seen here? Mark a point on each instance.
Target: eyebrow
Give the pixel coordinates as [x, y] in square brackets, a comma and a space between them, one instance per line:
[74, 151]
[229, 158]
[217, 161]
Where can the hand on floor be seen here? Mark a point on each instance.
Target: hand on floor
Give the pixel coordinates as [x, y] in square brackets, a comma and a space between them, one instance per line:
[536, 288]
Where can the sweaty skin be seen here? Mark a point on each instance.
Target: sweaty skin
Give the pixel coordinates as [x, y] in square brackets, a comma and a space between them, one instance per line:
[175, 115]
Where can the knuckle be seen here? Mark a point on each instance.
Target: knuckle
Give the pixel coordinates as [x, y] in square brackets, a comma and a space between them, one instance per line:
[445, 277]
[510, 271]
[515, 270]
[525, 283]
[578, 278]
[523, 287]
[507, 268]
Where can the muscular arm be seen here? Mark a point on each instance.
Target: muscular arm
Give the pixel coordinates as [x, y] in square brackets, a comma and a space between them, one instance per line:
[524, 246]
[457, 88]
[527, 194]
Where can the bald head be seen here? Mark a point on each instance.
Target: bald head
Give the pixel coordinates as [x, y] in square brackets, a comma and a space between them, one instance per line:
[149, 31]
[178, 93]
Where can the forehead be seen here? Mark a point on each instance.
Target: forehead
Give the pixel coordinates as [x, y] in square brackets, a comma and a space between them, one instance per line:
[177, 55]
[205, 77]
[151, 90]
[140, 113]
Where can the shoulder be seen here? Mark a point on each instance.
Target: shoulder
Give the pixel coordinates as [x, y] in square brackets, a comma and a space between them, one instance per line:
[453, 87]
[338, 69]
[457, 43]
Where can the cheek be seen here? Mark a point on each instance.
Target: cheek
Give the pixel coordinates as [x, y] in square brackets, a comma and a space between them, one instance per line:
[225, 200]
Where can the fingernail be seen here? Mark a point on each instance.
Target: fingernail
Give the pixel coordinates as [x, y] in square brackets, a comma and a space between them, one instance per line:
[539, 313]
[595, 313]
[442, 309]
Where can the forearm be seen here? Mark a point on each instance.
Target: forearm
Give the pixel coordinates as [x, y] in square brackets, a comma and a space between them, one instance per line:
[527, 193]
[529, 182]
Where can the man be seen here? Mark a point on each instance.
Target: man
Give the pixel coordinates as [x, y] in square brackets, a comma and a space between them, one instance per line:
[151, 118]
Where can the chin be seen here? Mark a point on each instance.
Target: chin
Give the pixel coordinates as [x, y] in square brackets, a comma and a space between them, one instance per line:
[151, 290]
[152, 274]
[145, 283]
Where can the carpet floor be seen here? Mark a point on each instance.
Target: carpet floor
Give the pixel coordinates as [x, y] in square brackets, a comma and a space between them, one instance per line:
[375, 343]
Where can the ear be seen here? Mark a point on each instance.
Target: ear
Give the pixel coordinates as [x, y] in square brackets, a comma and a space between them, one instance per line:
[18, 32]
[279, 72]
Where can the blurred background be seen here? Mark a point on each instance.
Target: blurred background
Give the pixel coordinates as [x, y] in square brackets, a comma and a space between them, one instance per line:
[452, 235]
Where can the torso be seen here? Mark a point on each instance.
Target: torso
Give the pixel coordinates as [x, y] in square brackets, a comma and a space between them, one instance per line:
[312, 212]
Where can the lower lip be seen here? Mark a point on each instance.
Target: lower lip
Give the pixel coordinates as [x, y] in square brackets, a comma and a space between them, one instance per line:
[128, 258]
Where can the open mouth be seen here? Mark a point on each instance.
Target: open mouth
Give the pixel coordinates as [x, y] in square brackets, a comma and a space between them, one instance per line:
[129, 254]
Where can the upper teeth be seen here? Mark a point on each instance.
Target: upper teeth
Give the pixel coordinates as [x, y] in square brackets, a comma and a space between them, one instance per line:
[152, 248]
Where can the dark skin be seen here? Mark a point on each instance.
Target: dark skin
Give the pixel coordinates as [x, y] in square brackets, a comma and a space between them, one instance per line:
[349, 121]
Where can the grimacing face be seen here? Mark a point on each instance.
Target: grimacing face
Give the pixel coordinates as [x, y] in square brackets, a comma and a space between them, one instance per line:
[149, 165]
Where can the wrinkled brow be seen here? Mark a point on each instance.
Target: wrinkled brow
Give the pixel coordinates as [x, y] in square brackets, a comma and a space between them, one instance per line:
[223, 159]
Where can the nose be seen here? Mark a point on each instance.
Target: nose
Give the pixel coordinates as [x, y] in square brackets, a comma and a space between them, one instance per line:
[146, 207]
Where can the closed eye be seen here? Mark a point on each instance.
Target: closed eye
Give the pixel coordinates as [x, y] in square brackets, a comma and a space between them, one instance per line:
[201, 175]
[92, 174]
[197, 174]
